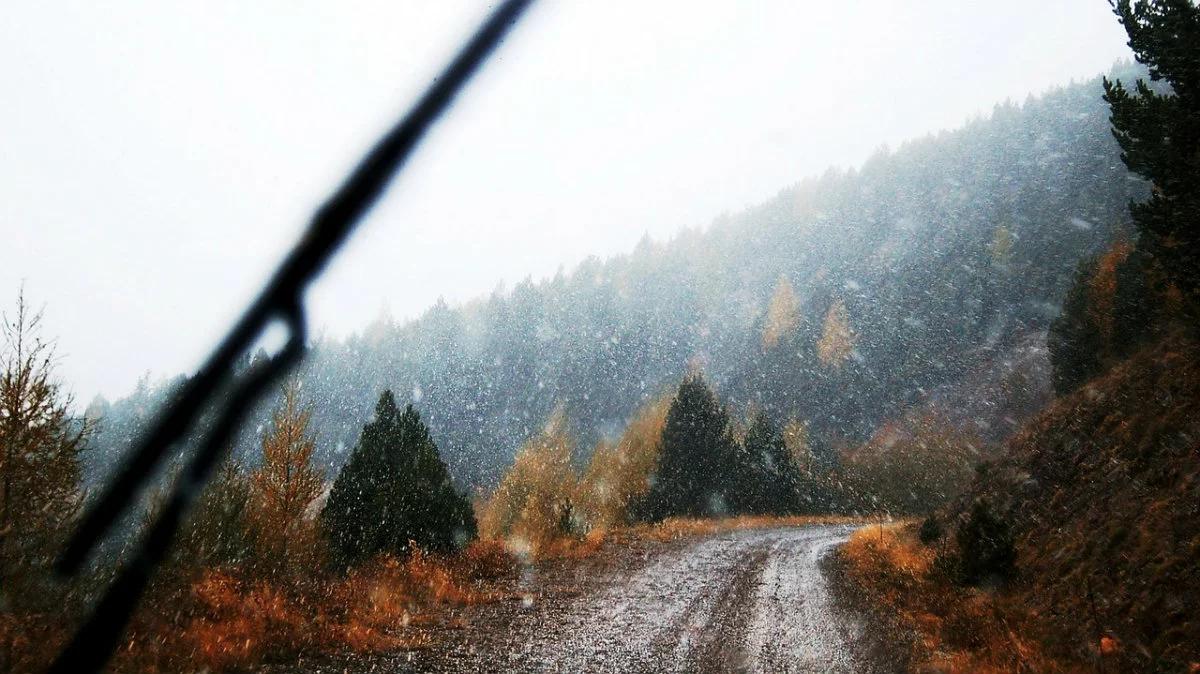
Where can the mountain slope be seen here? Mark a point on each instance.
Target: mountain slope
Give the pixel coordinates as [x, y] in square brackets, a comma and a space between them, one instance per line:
[895, 279]
[1103, 492]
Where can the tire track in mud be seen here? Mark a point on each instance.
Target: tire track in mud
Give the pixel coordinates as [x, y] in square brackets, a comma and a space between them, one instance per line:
[719, 647]
[796, 627]
[745, 601]
[647, 619]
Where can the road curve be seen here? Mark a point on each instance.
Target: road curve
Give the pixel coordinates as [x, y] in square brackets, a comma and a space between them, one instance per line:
[742, 601]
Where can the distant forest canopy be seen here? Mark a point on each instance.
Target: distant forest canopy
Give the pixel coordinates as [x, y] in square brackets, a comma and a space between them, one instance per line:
[840, 303]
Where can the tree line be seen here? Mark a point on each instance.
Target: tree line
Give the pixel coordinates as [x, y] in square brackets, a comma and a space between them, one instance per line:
[1138, 291]
[279, 519]
[840, 301]
[704, 471]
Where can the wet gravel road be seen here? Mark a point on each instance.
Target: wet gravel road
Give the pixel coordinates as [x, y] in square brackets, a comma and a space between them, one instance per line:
[741, 601]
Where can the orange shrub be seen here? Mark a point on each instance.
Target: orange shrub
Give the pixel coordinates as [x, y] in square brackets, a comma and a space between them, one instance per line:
[486, 560]
[239, 623]
[532, 506]
[388, 592]
[620, 473]
[226, 621]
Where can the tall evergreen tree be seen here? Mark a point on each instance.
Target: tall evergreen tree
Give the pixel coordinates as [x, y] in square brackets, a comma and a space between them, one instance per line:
[1108, 312]
[1074, 339]
[698, 455]
[40, 446]
[214, 535]
[1159, 133]
[394, 492]
[770, 476]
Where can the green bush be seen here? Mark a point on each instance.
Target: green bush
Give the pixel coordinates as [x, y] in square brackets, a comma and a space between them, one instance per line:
[985, 545]
[930, 531]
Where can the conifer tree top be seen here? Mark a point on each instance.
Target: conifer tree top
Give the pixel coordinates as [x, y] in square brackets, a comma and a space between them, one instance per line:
[386, 408]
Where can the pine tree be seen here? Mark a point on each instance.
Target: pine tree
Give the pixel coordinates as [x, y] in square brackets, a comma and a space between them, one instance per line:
[1074, 339]
[985, 543]
[771, 475]
[394, 492]
[697, 459]
[1159, 133]
[284, 485]
[215, 534]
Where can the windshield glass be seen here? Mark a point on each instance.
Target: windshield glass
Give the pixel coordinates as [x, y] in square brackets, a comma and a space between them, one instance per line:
[600, 337]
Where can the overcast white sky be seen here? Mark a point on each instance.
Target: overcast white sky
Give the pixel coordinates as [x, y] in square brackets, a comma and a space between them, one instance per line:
[157, 158]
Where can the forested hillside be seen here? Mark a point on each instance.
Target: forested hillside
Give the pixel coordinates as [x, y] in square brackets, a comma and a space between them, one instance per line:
[838, 304]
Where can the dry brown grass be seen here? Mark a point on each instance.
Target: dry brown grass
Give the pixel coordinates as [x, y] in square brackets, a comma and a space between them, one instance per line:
[674, 528]
[225, 621]
[953, 629]
[579, 547]
[1099, 492]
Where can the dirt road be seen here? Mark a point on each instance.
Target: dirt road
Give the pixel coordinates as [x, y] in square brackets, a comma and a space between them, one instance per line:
[742, 601]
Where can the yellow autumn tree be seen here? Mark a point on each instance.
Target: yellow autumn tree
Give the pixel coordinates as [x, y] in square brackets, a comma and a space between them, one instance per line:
[837, 337]
[619, 473]
[1102, 288]
[795, 438]
[283, 487]
[532, 505]
[783, 314]
[1001, 245]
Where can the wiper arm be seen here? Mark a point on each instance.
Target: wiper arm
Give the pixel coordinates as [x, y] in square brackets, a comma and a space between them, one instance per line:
[281, 299]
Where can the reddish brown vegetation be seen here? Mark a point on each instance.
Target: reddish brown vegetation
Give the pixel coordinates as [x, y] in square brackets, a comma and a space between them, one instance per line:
[225, 620]
[943, 626]
[1102, 288]
[1100, 492]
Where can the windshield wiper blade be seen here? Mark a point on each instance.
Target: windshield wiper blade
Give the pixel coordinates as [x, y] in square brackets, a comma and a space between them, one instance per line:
[281, 299]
